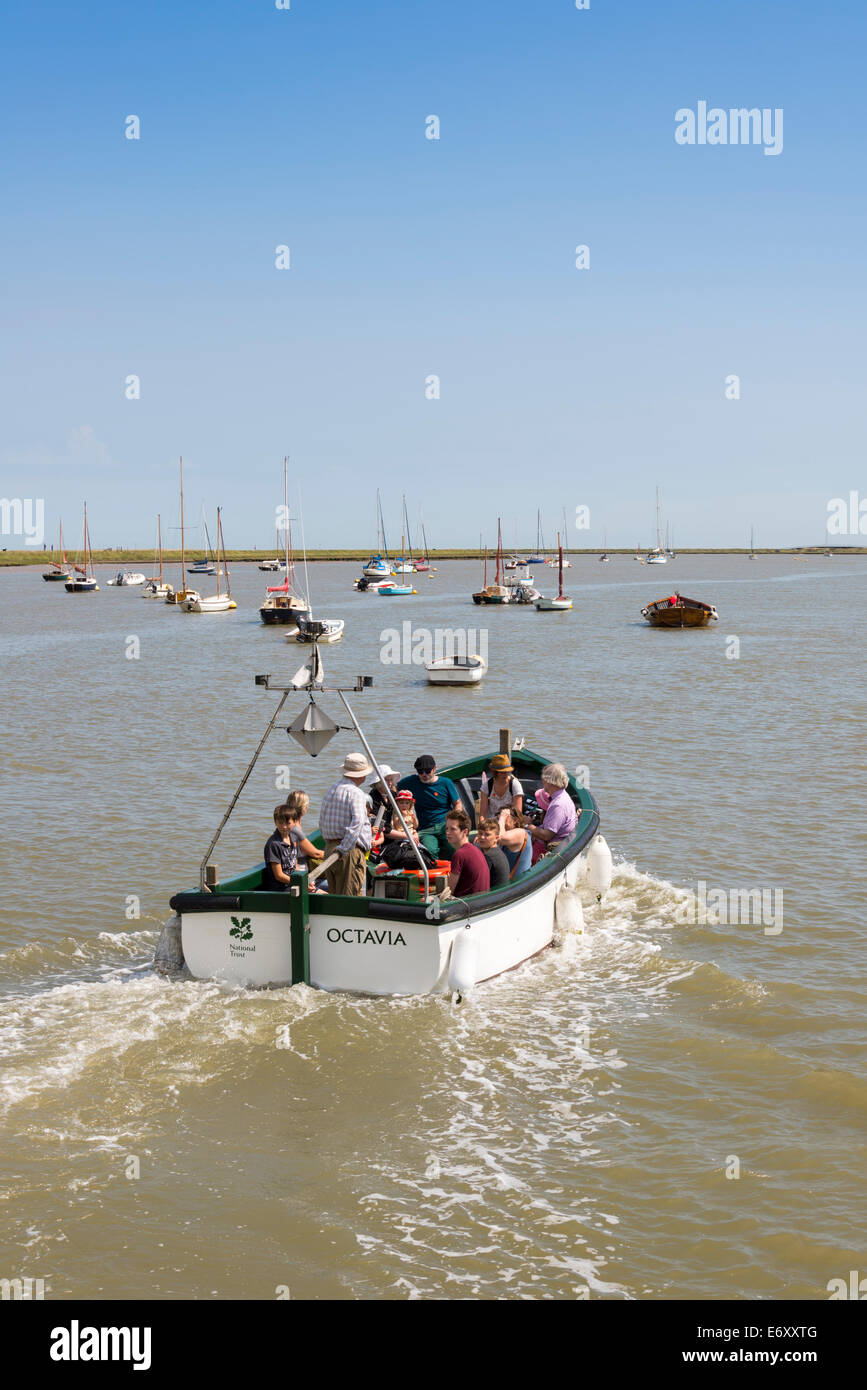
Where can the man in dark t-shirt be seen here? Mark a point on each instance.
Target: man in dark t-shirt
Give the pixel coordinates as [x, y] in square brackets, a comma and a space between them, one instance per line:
[434, 797]
[470, 872]
[486, 841]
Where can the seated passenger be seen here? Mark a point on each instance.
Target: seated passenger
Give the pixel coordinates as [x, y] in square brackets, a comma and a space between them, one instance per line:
[406, 805]
[500, 788]
[281, 854]
[434, 796]
[515, 842]
[378, 799]
[308, 856]
[486, 841]
[470, 872]
[561, 817]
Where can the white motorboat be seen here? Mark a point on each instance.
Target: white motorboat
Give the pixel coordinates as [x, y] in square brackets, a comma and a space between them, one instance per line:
[127, 579]
[327, 629]
[456, 670]
[271, 565]
[401, 937]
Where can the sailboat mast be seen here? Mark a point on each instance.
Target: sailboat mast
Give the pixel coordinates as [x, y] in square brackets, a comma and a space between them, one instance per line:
[497, 579]
[160, 544]
[218, 552]
[286, 517]
[183, 545]
[560, 551]
[408, 532]
[86, 547]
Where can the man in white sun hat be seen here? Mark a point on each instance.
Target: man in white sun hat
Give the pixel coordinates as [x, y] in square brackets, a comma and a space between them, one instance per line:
[345, 824]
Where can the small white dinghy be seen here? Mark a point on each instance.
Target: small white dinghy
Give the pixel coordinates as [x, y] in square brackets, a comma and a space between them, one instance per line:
[456, 670]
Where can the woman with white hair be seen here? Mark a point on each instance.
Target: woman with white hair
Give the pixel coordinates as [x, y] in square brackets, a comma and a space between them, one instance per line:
[561, 817]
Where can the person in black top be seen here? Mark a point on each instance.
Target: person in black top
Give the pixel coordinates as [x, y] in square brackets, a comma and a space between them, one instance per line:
[281, 853]
[486, 841]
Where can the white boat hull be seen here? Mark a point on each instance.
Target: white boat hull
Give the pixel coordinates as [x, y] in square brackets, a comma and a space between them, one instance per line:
[214, 603]
[370, 955]
[448, 672]
[553, 605]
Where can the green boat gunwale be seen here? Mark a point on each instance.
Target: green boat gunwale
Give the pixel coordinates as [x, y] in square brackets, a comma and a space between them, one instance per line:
[238, 892]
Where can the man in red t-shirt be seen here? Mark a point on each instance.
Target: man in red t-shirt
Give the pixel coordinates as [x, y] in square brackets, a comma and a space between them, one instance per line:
[470, 872]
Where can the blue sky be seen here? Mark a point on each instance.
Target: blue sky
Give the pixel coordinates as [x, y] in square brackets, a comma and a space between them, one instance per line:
[411, 257]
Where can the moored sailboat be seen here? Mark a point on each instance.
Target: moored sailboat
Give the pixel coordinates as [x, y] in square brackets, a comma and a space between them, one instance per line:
[562, 601]
[496, 593]
[379, 565]
[177, 597]
[657, 556]
[219, 602]
[59, 571]
[537, 558]
[283, 604]
[80, 581]
[156, 587]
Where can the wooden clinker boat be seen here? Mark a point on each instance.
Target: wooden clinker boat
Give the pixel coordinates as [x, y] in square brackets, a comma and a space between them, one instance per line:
[677, 611]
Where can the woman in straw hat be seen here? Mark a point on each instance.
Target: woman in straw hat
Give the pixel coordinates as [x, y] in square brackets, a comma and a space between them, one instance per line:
[499, 788]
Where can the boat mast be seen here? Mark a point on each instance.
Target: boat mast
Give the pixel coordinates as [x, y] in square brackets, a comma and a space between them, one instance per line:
[183, 546]
[381, 527]
[86, 546]
[560, 583]
[286, 518]
[218, 552]
[408, 532]
[160, 544]
[62, 552]
[497, 579]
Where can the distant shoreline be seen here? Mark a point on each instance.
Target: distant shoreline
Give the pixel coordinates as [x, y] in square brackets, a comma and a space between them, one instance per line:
[123, 559]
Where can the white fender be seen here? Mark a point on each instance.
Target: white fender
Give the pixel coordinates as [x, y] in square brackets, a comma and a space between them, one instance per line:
[464, 962]
[169, 955]
[600, 866]
[568, 912]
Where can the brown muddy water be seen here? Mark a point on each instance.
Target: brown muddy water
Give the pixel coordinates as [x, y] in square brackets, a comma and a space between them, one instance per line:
[665, 1108]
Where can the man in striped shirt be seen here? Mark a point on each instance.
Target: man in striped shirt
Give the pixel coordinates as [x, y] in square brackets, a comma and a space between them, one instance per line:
[345, 824]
